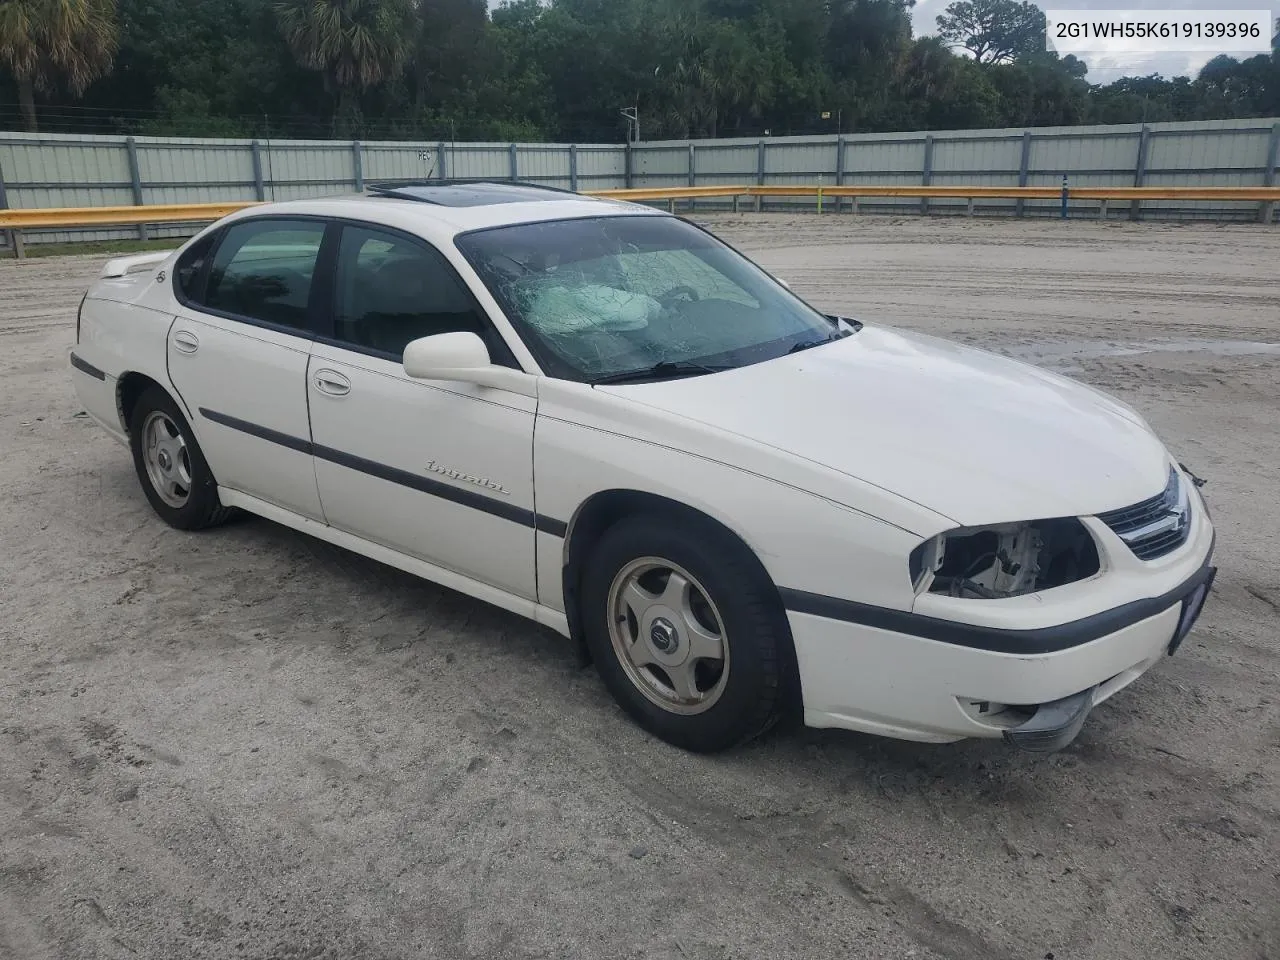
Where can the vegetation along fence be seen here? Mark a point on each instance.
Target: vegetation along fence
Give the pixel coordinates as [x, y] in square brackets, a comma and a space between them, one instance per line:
[49, 170]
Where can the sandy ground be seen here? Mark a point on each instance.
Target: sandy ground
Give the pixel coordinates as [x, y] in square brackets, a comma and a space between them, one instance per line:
[248, 744]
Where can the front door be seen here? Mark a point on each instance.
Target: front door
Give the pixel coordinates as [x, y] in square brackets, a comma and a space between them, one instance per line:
[238, 354]
[439, 471]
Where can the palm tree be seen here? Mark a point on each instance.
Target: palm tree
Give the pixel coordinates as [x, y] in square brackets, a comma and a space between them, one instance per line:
[48, 44]
[356, 44]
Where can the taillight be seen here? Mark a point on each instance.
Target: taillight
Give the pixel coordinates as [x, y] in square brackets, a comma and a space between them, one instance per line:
[80, 315]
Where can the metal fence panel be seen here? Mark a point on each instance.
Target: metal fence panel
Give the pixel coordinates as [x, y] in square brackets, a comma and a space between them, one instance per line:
[976, 158]
[601, 167]
[475, 161]
[66, 170]
[168, 171]
[1083, 152]
[662, 162]
[299, 169]
[386, 162]
[543, 164]
[885, 157]
[734, 163]
[807, 160]
[1210, 158]
[48, 171]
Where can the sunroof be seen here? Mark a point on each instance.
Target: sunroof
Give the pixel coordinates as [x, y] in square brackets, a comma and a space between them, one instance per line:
[477, 194]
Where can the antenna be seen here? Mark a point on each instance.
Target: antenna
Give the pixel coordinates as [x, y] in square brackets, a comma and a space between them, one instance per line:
[633, 122]
[425, 156]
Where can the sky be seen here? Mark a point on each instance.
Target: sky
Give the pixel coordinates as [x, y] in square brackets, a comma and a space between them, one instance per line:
[1104, 69]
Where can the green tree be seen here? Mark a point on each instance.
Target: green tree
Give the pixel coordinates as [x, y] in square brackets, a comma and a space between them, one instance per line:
[468, 78]
[1149, 99]
[450, 36]
[1234, 88]
[865, 45]
[564, 69]
[994, 31]
[940, 91]
[711, 71]
[355, 44]
[52, 44]
[234, 73]
[1044, 90]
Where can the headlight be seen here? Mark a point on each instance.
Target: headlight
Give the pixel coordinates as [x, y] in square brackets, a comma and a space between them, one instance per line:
[1005, 560]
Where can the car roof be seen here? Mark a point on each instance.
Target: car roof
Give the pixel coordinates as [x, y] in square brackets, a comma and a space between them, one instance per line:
[443, 209]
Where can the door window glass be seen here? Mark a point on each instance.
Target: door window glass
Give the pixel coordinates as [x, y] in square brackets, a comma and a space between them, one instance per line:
[263, 270]
[392, 290]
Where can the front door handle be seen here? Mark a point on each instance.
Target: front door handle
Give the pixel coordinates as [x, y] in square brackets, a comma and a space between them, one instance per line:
[185, 342]
[332, 383]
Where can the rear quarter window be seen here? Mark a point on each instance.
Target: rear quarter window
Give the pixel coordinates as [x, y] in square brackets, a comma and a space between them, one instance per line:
[189, 273]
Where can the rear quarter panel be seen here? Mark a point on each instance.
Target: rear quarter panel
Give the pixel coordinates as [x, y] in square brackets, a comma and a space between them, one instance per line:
[124, 328]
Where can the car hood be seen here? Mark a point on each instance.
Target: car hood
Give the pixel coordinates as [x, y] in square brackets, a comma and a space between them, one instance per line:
[968, 434]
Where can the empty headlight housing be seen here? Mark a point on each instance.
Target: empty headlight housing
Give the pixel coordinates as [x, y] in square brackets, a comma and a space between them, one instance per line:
[1005, 560]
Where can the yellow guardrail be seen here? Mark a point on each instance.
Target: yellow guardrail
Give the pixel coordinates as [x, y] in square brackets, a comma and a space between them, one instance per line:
[641, 194]
[76, 217]
[1257, 194]
[36, 219]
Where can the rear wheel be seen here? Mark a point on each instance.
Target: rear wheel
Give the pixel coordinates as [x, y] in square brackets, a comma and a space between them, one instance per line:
[170, 465]
[685, 632]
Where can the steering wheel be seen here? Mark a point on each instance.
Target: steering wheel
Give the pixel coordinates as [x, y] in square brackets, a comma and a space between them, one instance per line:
[689, 294]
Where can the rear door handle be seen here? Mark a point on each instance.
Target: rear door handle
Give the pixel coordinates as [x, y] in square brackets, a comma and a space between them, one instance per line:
[185, 342]
[332, 383]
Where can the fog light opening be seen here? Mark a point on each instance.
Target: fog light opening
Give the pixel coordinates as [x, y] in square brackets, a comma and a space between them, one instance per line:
[998, 716]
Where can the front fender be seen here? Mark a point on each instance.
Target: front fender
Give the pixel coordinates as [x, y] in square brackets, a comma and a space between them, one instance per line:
[804, 541]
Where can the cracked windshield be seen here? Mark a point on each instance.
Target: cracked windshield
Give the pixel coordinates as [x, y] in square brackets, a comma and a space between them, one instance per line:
[603, 298]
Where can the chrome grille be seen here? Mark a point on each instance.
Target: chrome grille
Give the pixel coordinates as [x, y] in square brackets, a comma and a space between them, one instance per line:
[1156, 526]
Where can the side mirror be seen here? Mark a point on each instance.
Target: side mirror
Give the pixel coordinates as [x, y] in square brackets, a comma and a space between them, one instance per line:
[446, 356]
[462, 357]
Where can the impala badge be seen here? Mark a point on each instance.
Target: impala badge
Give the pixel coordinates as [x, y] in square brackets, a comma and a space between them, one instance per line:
[468, 478]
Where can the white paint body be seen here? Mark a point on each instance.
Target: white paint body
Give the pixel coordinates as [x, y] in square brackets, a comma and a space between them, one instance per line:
[831, 465]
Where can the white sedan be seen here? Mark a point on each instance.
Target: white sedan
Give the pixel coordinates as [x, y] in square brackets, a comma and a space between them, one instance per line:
[603, 418]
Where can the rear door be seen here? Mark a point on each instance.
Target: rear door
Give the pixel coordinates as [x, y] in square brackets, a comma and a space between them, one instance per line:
[238, 356]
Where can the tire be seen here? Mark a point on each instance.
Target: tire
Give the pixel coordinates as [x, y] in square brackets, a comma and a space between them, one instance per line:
[172, 469]
[703, 704]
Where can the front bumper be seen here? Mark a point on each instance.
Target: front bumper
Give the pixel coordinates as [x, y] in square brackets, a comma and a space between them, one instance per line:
[1054, 725]
[917, 678]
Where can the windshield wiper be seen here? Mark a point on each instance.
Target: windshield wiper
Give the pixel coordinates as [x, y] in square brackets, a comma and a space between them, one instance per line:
[810, 344]
[663, 370]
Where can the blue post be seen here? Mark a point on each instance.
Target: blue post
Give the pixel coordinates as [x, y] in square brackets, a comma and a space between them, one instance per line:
[1064, 196]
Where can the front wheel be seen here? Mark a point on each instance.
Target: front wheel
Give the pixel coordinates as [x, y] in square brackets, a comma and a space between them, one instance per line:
[686, 632]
